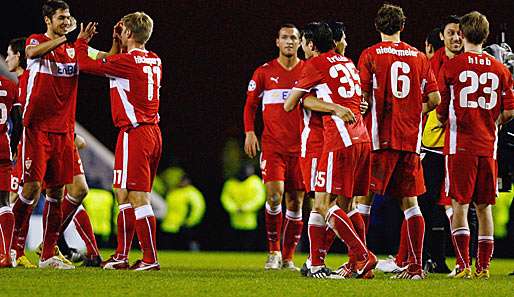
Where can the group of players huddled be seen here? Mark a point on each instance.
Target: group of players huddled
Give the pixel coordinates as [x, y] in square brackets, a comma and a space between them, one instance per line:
[40, 102]
[341, 133]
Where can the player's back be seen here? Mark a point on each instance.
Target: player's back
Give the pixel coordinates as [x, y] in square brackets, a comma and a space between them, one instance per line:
[135, 88]
[8, 95]
[478, 88]
[340, 84]
[397, 76]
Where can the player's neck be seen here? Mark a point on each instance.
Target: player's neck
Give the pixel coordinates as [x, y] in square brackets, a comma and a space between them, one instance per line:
[135, 45]
[390, 38]
[288, 62]
[19, 71]
[472, 48]
[50, 34]
[449, 53]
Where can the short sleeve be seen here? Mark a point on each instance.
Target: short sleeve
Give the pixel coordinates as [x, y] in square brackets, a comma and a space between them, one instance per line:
[310, 77]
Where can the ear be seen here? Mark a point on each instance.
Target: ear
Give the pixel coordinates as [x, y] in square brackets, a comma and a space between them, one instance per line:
[441, 36]
[276, 41]
[310, 45]
[48, 21]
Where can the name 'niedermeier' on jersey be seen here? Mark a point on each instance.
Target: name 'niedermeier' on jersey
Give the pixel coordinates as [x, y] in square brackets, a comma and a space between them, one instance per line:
[398, 78]
[135, 80]
[271, 84]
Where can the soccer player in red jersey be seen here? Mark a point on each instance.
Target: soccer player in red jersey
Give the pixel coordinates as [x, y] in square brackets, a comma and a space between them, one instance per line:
[280, 165]
[135, 78]
[477, 97]
[8, 97]
[395, 78]
[344, 168]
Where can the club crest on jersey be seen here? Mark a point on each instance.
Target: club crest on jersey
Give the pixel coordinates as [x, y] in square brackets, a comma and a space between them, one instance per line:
[71, 52]
[252, 86]
[28, 162]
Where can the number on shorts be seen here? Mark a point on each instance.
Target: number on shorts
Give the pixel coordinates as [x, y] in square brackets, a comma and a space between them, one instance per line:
[320, 179]
[3, 113]
[117, 177]
[14, 183]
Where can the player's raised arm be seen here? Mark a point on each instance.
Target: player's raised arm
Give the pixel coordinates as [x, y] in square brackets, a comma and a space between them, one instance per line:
[293, 99]
[342, 112]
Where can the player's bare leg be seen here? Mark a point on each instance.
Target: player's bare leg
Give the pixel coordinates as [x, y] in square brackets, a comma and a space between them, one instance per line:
[415, 230]
[7, 227]
[293, 226]
[126, 227]
[461, 237]
[485, 240]
[145, 229]
[273, 218]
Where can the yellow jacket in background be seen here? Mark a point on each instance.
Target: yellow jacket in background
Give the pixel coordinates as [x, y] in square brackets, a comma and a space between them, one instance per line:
[186, 207]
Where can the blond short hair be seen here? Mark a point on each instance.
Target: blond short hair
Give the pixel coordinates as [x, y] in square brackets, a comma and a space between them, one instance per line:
[140, 24]
[474, 27]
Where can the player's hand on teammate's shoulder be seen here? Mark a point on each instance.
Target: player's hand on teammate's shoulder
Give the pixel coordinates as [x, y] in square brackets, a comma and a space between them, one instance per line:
[251, 144]
[345, 114]
[88, 32]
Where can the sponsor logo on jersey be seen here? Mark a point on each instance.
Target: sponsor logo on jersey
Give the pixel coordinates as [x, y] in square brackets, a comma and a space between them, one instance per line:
[71, 52]
[28, 162]
[252, 86]
[275, 79]
[69, 69]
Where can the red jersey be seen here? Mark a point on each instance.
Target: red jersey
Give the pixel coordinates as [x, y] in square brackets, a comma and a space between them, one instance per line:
[335, 79]
[270, 85]
[52, 84]
[475, 88]
[397, 76]
[22, 88]
[8, 97]
[437, 60]
[311, 127]
[135, 80]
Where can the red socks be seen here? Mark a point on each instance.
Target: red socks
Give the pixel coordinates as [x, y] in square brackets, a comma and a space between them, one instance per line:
[293, 226]
[415, 235]
[317, 234]
[6, 230]
[22, 210]
[273, 219]
[358, 224]
[485, 252]
[461, 238]
[83, 226]
[126, 228]
[343, 228]
[145, 228]
[403, 254]
[68, 209]
[52, 218]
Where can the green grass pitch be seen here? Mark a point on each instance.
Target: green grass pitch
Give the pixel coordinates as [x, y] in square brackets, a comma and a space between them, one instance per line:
[238, 274]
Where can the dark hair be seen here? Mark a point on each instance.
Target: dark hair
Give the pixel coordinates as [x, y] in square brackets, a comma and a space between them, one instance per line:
[322, 38]
[434, 39]
[338, 29]
[475, 27]
[390, 19]
[451, 19]
[308, 31]
[18, 47]
[51, 6]
[286, 25]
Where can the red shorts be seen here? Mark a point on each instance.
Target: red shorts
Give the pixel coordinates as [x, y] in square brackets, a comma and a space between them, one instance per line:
[46, 157]
[309, 166]
[282, 167]
[16, 179]
[137, 156]
[78, 169]
[5, 176]
[396, 173]
[471, 178]
[345, 172]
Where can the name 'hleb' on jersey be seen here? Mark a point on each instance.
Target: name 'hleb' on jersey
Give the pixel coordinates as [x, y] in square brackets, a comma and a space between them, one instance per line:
[270, 85]
[135, 81]
[8, 97]
[335, 79]
[51, 94]
[475, 88]
[398, 77]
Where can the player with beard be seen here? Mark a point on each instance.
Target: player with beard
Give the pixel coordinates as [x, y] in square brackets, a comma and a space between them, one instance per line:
[280, 163]
[477, 98]
[395, 79]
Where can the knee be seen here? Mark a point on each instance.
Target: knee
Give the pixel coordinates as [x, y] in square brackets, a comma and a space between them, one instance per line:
[31, 191]
[79, 193]
[275, 197]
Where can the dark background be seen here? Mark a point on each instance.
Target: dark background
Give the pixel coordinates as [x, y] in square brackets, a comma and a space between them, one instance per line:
[209, 50]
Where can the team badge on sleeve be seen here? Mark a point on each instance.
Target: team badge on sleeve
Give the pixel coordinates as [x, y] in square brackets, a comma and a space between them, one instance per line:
[252, 86]
[34, 42]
